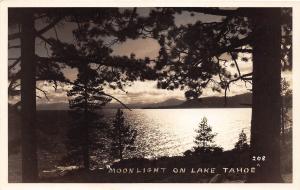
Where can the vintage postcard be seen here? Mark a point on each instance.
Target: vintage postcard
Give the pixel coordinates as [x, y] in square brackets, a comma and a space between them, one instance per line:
[155, 93]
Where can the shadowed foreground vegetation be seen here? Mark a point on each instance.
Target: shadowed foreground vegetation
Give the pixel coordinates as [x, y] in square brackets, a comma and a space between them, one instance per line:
[52, 150]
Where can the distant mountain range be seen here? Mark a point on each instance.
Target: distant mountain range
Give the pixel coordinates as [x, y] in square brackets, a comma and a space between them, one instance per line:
[238, 101]
[53, 106]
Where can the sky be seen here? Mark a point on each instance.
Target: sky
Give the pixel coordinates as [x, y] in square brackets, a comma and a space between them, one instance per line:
[139, 92]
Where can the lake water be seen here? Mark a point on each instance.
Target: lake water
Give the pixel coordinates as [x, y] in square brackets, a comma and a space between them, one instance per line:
[170, 132]
[161, 132]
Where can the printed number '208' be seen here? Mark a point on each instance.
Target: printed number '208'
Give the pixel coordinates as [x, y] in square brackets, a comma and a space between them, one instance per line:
[258, 158]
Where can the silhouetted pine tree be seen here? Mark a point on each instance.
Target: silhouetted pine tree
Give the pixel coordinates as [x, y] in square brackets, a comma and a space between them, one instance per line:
[108, 22]
[205, 136]
[241, 30]
[23, 81]
[242, 144]
[191, 55]
[86, 98]
[286, 105]
[122, 136]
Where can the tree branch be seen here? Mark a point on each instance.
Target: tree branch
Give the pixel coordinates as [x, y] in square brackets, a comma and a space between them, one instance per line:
[44, 39]
[243, 50]
[104, 94]
[117, 101]
[54, 28]
[14, 47]
[214, 11]
[245, 41]
[240, 77]
[235, 62]
[13, 58]
[14, 63]
[44, 92]
[43, 30]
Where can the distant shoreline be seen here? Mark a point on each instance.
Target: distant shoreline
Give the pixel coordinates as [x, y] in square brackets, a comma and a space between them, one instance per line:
[151, 108]
[237, 101]
[191, 107]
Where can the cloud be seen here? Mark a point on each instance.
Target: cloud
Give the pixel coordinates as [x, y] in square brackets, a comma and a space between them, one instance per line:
[140, 91]
[145, 92]
[186, 18]
[53, 95]
[140, 47]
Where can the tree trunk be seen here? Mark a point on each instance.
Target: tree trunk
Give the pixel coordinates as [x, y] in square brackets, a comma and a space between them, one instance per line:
[121, 154]
[120, 144]
[225, 97]
[282, 121]
[86, 154]
[265, 124]
[28, 99]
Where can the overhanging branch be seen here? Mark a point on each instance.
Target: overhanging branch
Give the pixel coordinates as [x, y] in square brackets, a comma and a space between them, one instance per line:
[243, 50]
[102, 93]
[44, 92]
[14, 63]
[43, 30]
[215, 11]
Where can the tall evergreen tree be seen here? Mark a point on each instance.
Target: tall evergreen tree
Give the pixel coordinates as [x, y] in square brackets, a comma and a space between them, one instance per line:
[34, 67]
[122, 136]
[286, 105]
[25, 78]
[242, 144]
[28, 99]
[86, 98]
[192, 55]
[265, 123]
[205, 136]
[199, 47]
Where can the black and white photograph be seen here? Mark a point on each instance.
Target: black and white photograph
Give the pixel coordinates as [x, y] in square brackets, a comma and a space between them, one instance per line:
[161, 94]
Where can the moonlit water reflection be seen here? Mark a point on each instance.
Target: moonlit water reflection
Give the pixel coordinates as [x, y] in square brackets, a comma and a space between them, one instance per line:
[170, 132]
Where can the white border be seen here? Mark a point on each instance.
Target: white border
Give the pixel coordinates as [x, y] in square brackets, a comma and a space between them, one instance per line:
[4, 4]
